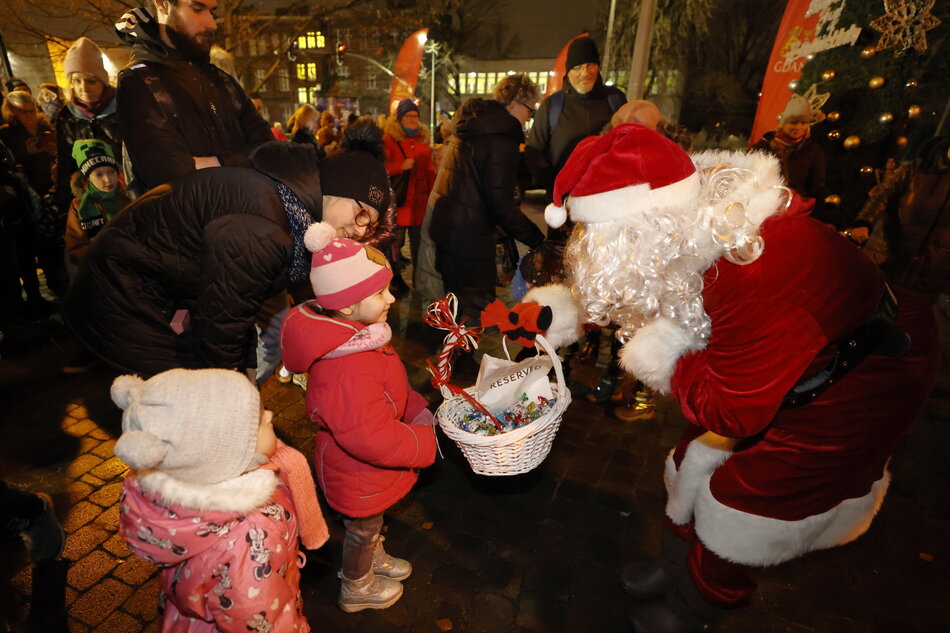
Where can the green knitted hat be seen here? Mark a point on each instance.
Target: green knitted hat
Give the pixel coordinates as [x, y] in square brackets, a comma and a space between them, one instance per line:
[90, 153]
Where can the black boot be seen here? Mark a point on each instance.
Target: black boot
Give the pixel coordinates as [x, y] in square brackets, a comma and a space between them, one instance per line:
[683, 610]
[651, 579]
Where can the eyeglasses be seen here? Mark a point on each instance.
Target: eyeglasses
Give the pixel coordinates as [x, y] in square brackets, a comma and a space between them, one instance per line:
[364, 219]
[530, 110]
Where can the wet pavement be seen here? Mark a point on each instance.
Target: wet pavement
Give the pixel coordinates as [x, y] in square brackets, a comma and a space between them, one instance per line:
[538, 552]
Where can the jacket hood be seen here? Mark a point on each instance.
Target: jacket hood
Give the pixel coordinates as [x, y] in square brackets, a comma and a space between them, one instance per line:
[295, 165]
[488, 117]
[395, 131]
[328, 337]
[139, 29]
[191, 512]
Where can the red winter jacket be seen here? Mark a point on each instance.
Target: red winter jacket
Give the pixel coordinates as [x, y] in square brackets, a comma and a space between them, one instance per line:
[399, 147]
[366, 451]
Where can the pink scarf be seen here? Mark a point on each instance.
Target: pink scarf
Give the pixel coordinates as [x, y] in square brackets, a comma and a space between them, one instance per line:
[294, 471]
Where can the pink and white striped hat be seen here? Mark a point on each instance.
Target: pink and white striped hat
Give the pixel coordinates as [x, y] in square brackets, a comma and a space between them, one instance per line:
[343, 272]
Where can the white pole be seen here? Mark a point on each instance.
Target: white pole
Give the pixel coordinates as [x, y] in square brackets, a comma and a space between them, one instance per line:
[610, 31]
[641, 50]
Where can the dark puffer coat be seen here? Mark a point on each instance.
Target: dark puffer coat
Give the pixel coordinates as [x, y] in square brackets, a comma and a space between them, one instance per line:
[216, 243]
[475, 191]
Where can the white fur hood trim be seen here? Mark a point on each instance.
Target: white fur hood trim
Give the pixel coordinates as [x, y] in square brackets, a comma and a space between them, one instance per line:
[651, 355]
[566, 313]
[242, 494]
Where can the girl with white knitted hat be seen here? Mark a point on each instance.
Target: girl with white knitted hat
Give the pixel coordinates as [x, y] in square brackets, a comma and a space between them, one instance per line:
[373, 430]
[216, 500]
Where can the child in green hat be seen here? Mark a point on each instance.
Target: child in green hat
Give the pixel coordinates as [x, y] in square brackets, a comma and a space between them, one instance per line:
[99, 195]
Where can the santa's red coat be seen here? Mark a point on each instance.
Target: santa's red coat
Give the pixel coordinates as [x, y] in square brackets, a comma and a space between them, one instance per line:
[809, 477]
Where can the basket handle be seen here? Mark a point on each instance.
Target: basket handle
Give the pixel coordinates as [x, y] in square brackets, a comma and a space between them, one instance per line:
[555, 360]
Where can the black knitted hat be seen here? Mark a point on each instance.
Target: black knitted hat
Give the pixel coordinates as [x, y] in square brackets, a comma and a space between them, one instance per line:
[358, 172]
[583, 50]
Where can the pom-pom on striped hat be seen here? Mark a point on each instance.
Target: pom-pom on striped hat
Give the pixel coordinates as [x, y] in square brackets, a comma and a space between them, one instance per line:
[343, 272]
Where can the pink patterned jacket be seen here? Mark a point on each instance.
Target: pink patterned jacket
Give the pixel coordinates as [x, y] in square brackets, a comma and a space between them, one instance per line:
[228, 552]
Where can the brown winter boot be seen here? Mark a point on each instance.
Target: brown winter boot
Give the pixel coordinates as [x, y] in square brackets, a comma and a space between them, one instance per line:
[389, 566]
[369, 592]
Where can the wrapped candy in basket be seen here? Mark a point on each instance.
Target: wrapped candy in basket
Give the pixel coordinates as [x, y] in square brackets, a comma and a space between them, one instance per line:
[515, 432]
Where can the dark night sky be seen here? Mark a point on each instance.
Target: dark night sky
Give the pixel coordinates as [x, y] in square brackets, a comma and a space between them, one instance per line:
[542, 27]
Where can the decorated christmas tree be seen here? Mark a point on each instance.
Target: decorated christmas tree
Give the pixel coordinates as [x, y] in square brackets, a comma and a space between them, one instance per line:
[882, 98]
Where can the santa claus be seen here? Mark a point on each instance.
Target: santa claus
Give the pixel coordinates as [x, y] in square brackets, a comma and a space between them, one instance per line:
[797, 368]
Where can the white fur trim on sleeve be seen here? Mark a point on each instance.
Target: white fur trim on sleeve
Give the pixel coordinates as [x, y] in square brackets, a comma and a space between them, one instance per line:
[651, 355]
[682, 485]
[566, 313]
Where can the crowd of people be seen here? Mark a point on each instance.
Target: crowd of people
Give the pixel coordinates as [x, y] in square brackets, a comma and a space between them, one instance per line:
[195, 248]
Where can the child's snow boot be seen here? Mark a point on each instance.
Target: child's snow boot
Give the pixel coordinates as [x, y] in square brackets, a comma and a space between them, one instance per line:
[369, 592]
[389, 566]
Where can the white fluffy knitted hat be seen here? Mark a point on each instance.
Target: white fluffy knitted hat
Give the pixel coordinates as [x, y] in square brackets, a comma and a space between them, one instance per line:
[197, 425]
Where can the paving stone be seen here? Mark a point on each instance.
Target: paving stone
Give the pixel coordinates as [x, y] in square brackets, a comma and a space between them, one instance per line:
[82, 465]
[105, 449]
[135, 571]
[78, 428]
[89, 570]
[119, 622]
[98, 603]
[487, 610]
[77, 490]
[114, 467]
[71, 595]
[75, 626]
[107, 495]
[92, 481]
[80, 514]
[144, 602]
[100, 434]
[109, 519]
[83, 541]
[116, 545]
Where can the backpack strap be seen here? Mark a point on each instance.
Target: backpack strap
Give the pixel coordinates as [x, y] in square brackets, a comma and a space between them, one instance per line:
[557, 105]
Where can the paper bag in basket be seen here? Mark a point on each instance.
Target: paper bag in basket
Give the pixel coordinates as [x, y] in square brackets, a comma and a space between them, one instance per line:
[501, 382]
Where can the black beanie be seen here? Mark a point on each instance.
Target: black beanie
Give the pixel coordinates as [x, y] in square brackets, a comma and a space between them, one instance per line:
[358, 175]
[583, 50]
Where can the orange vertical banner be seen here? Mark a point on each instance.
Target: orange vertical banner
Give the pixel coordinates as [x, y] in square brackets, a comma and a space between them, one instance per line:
[785, 66]
[556, 82]
[408, 64]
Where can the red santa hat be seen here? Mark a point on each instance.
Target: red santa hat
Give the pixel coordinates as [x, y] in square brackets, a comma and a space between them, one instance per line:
[343, 272]
[630, 169]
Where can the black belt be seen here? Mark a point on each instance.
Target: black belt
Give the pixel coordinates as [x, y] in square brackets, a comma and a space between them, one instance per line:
[877, 336]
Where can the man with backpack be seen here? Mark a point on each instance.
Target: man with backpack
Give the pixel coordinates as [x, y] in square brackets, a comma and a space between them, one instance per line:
[178, 112]
[581, 109]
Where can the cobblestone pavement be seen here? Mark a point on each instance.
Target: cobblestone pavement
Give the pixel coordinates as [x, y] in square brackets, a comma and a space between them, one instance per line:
[534, 553]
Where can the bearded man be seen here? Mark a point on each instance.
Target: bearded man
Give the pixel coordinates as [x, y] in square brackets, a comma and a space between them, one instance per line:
[797, 368]
[178, 112]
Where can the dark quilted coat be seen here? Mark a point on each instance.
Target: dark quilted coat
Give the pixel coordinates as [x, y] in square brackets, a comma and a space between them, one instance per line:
[216, 242]
[477, 190]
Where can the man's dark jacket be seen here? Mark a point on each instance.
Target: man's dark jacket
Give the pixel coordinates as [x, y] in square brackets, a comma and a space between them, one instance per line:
[583, 115]
[216, 242]
[475, 191]
[193, 109]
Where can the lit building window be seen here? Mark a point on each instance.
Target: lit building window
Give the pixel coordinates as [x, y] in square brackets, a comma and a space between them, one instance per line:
[480, 84]
[283, 80]
[490, 82]
[371, 81]
[301, 71]
[259, 76]
[312, 39]
[302, 95]
[343, 71]
[453, 84]
[314, 93]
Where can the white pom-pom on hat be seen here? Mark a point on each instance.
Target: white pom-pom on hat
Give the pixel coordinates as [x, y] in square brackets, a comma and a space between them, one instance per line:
[141, 449]
[318, 236]
[555, 216]
[123, 390]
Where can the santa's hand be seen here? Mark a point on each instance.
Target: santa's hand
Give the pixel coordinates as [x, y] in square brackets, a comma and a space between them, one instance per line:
[424, 418]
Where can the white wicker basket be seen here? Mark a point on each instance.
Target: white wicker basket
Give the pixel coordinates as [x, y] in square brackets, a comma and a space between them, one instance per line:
[517, 451]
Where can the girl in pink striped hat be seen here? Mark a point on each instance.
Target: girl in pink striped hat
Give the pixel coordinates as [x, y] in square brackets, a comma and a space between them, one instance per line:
[373, 430]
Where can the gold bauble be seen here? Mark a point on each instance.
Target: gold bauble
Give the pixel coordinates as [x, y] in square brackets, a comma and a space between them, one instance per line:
[867, 170]
[886, 117]
[901, 141]
[828, 75]
[834, 115]
[851, 142]
[868, 52]
[876, 82]
[834, 135]
[833, 199]
[913, 111]
[911, 84]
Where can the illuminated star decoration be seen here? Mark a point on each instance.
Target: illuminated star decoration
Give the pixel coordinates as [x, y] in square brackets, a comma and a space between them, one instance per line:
[904, 25]
[816, 101]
